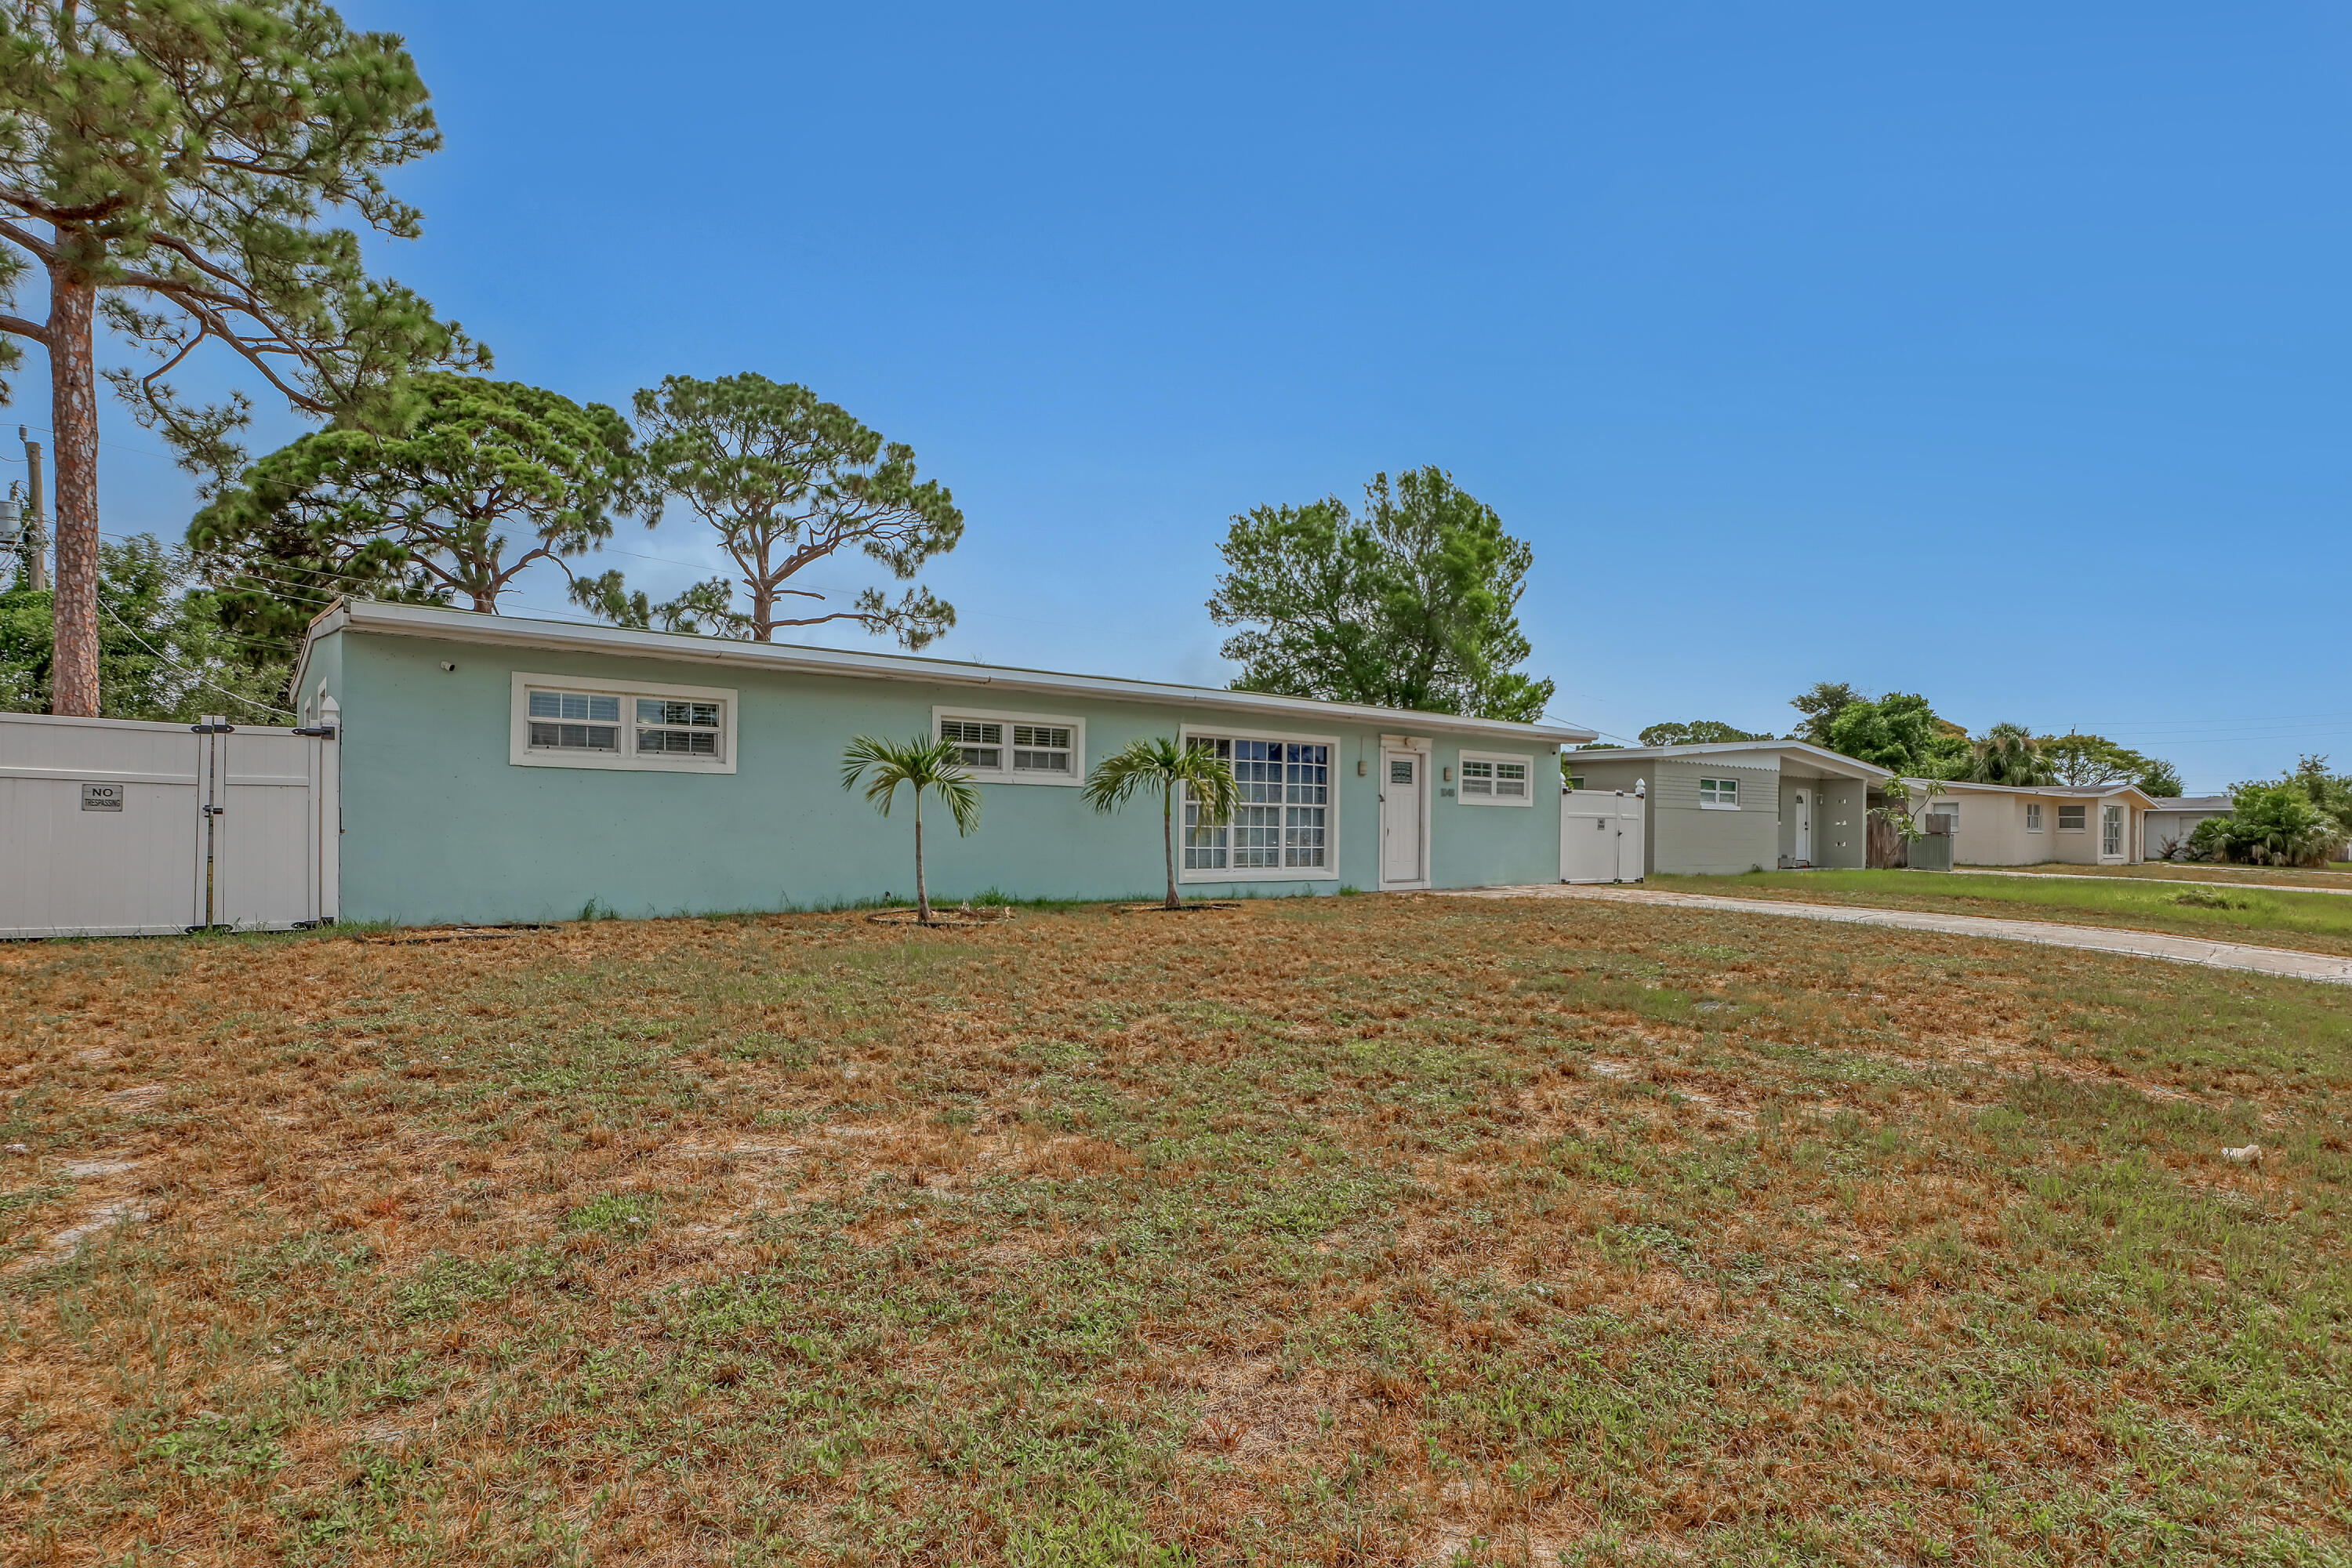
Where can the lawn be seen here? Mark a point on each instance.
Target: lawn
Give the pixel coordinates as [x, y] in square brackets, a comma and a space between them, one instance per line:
[1356, 1230]
[2338, 875]
[2269, 917]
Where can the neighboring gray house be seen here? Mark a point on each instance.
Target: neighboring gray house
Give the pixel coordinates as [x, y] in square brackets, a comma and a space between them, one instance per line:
[2172, 820]
[1742, 805]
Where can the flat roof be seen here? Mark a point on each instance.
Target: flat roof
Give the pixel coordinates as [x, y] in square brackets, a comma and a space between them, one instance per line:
[2076, 791]
[1820, 756]
[519, 631]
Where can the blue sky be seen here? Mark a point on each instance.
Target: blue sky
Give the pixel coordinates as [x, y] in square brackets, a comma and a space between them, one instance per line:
[1999, 355]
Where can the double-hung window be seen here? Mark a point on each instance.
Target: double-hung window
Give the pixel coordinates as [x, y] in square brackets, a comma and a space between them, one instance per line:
[562, 721]
[2070, 818]
[2032, 817]
[1720, 795]
[1285, 824]
[1014, 748]
[1495, 779]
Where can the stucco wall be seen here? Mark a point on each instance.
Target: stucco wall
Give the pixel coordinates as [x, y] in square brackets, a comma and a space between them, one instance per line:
[439, 827]
[1842, 825]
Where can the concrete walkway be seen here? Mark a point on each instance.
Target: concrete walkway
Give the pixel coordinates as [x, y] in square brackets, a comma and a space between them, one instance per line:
[2151, 881]
[2094, 938]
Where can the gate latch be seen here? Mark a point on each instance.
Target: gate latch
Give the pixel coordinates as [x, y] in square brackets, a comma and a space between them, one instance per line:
[210, 810]
[319, 731]
[212, 729]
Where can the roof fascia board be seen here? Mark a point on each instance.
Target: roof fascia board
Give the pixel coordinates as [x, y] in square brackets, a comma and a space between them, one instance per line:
[461, 625]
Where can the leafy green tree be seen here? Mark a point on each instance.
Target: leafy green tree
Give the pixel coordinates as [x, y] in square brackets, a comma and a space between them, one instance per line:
[921, 764]
[482, 480]
[1699, 732]
[1902, 733]
[1820, 706]
[2159, 779]
[1413, 605]
[787, 480]
[2332, 793]
[172, 166]
[2081, 759]
[1165, 765]
[2009, 754]
[162, 651]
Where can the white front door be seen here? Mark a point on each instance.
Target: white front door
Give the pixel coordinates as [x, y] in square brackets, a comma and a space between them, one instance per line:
[1803, 853]
[1401, 782]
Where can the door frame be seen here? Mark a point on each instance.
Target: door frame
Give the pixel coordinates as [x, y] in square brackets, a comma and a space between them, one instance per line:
[1418, 749]
[1802, 838]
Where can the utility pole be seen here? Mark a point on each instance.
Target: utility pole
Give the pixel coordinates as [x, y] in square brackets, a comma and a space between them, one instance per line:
[37, 542]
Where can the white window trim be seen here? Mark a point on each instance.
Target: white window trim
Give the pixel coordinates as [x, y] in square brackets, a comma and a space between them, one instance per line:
[1328, 872]
[1005, 776]
[519, 748]
[1739, 788]
[1524, 758]
[2033, 816]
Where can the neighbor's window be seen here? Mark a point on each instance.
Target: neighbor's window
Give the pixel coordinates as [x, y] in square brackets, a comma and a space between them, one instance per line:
[1014, 748]
[2111, 830]
[624, 724]
[2032, 817]
[1488, 779]
[2070, 818]
[1722, 794]
[1575, 780]
[575, 722]
[1284, 821]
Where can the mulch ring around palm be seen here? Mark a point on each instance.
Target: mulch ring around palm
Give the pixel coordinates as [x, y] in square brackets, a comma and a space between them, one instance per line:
[993, 914]
[1194, 907]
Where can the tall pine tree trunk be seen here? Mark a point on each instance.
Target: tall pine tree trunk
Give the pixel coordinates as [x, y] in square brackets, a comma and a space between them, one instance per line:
[73, 417]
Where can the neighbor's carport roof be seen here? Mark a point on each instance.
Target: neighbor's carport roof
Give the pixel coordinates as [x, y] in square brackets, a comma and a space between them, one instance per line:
[517, 631]
[1829, 761]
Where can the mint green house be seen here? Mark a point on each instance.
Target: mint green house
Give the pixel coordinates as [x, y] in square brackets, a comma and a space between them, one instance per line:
[499, 769]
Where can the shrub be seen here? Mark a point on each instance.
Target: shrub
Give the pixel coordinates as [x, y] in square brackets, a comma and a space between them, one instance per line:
[2268, 824]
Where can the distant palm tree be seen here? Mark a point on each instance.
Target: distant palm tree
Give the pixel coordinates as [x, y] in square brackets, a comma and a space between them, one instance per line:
[1168, 766]
[2009, 754]
[925, 763]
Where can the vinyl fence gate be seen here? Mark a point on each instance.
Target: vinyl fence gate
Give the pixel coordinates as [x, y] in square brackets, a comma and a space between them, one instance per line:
[1601, 835]
[118, 827]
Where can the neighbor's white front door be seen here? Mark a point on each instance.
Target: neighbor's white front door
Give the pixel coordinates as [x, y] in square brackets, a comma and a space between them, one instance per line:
[1400, 785]
[1803, 853]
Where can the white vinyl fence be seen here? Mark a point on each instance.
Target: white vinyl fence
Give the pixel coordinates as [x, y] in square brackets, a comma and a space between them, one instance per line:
[117, 827]
[1599, 836]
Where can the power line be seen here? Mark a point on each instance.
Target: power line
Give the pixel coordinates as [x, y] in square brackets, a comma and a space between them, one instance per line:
[183, 670]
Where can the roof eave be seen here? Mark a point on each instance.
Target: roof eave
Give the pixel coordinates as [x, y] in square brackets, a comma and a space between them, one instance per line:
[465, 626]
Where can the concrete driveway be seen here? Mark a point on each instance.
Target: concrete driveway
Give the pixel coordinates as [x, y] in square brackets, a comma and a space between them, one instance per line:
[2287, 961]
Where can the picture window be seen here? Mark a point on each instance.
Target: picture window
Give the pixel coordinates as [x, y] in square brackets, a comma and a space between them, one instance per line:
[1283, 823]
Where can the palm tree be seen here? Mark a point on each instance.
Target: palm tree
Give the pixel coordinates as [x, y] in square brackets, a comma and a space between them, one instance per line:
[1168, 766]
[2009, 755]
[925, 763]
